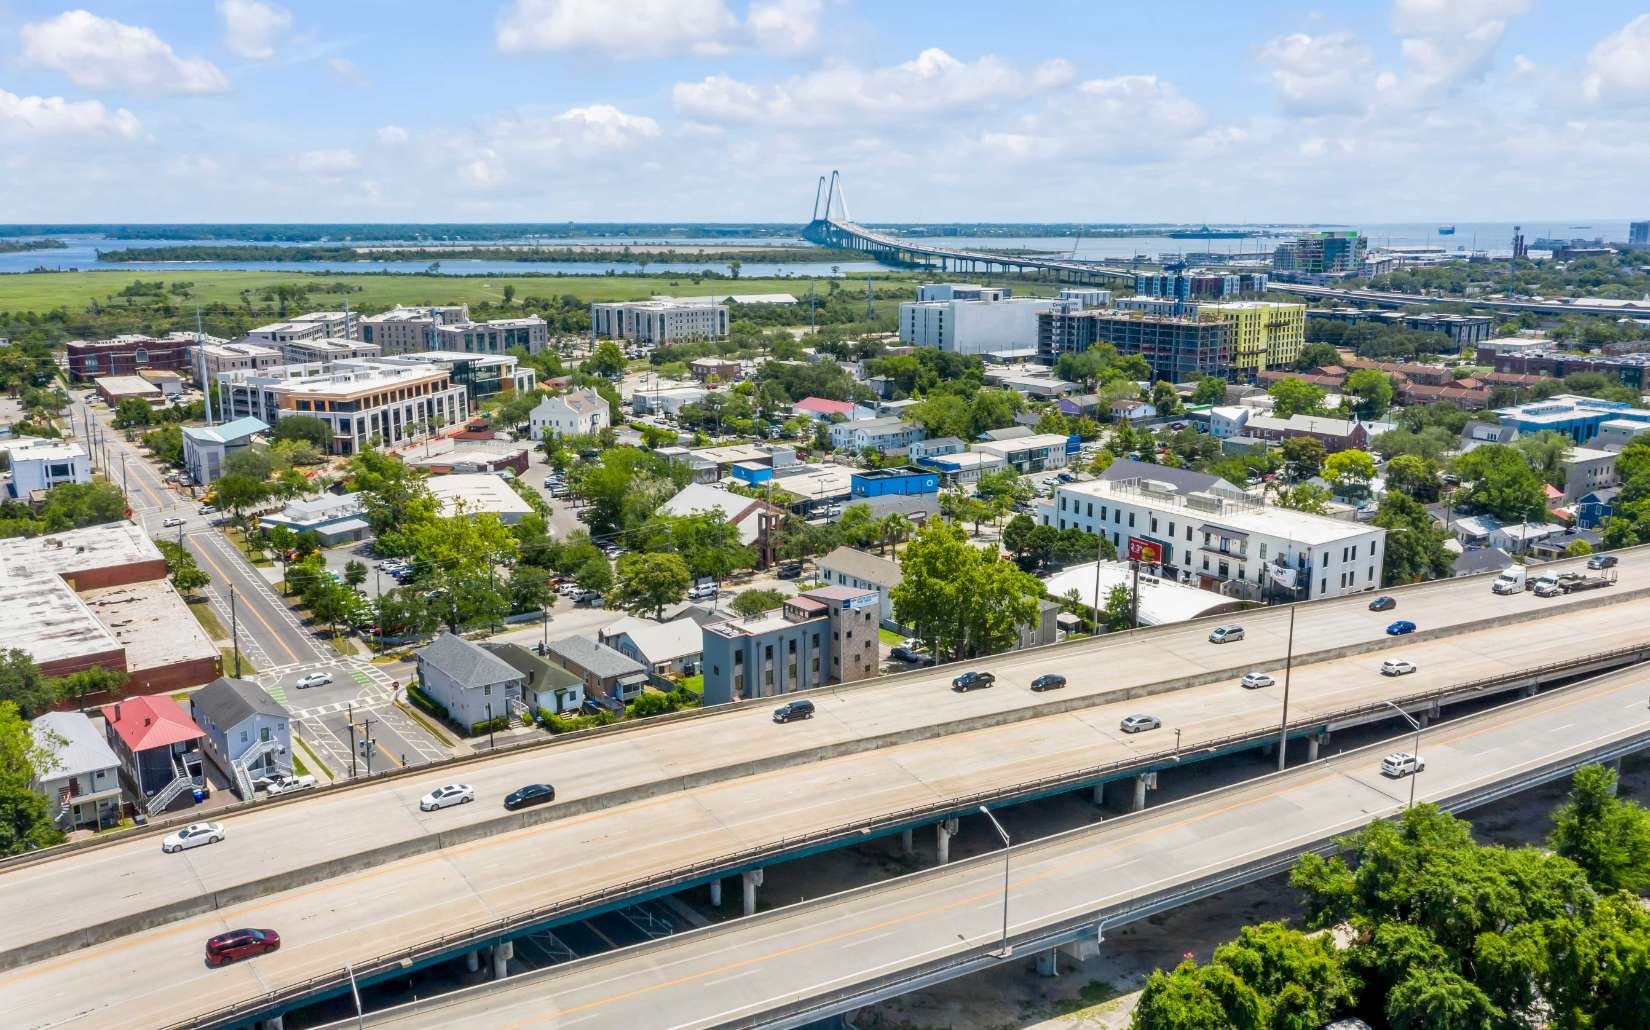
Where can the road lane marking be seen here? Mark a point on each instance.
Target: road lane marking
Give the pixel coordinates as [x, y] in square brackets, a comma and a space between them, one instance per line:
[253, 609]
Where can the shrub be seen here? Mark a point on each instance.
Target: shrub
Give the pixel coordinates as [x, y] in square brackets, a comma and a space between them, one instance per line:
[426, 702]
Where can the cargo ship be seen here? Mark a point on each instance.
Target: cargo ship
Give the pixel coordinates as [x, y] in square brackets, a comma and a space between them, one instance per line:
[1446, 230]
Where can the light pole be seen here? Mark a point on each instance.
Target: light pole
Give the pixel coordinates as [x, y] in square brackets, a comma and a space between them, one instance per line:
[1288, 663]
[1416, 754]
[1004, 951]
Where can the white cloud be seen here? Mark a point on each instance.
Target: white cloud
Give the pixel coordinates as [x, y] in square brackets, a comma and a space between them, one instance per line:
[327, 162]
[391, 135]
[1523, 65]
[1323, 74]
[1436, 66]
[565, 140]
[1618, 67]
[33, 117]
[1155, 103]
[347, 72]
[1451, 17]
[101, 53]
[659, 28]
[252, 29]
[933, 81]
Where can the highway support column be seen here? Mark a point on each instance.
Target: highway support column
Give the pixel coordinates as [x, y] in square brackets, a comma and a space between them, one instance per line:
[943, 832]
[1143, 783]
[906, 845]
[1314, 742]
[1048, 962]
[274, 1023]
[503, 952]
[716, 893]
[751, 879]
[472, 961]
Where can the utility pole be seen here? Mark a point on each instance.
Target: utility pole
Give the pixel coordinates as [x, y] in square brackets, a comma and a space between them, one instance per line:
[349, 713]
[868, 278]
[1134, 598]
[234, 629]
[366, 742]
[1288, 663]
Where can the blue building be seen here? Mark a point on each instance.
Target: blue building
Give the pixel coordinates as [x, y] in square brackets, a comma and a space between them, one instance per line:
[1577, 417]
[1593, 507]
[828, 635]
[905, 480]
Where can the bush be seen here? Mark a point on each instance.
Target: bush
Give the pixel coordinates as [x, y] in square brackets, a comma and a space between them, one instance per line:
[497, 725]
[568, 724]
[427, 703]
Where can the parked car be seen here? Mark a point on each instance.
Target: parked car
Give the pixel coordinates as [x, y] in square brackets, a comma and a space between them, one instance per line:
[1397, 667]
[1399, 628]
[703, 592]
[444, 797]
[973, 681]
[1226, 634]
[192, 836]
[530, 795]
[1383, 604]
[206, 509]
[314, 679]
[801, 708]
[790, 571]
[282, 784]
[1048, 681]
[1140, 723]
[1255, 680]
[1067, 477]
[238, 944]
[169, 523]
[1401, 763]
[1602, 561]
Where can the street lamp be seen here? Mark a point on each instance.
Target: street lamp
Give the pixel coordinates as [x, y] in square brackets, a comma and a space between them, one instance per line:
[1416, 754]
[1004, 951]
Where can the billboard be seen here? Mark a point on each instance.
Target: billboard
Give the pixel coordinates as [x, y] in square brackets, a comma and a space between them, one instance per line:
[1145, 551]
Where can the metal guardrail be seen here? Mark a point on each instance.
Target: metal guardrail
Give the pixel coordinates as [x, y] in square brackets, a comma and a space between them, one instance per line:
[727, 864]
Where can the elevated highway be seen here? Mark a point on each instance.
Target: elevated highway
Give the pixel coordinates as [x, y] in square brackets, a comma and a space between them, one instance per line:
[806, 962]
[1389, 299]
[432, 905]
[373, 822]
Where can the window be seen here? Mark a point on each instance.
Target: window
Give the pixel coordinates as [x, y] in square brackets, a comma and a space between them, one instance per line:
[1262, 552]
[1323, 585]
[1372, 548]
[1131, 520]
[1154, 523]
[768, 654]
[487, 690]
[243, 736]
[1326, 559]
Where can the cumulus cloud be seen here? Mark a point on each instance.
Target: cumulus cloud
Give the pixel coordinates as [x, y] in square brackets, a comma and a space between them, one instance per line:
[328, 162]
[561, 141]
[1451, 17]
[391, 135]
[252, 29]
[1447, 44]
[658, 28]
[931, 82]
[347, 72]
[101, 53]
[1618, 67]
[1324, 74]
[36, 117]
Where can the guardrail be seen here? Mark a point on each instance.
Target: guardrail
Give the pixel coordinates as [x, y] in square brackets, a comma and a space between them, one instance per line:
[732, 862]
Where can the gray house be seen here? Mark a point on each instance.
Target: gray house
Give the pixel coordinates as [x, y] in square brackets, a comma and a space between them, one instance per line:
[473, 683]
[248, 733]
[606, 672]
[548, 687]
[850, 567]
[83, 785]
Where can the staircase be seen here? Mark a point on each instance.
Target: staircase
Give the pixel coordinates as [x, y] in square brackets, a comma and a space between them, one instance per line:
[243, 777]
[169, 793]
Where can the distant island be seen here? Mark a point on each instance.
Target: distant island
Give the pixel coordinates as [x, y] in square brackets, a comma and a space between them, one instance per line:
[16, 246]
[721, 253]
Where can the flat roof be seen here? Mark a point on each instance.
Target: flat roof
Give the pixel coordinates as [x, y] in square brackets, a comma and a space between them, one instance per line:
[1270, 520]
[479, 492]
[37, 448]
[126, 384]
[76, 550]
[152, 622]
[1161, 600]
[45, 617]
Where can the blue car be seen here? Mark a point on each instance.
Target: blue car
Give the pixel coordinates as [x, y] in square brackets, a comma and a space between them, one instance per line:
[1400, 627]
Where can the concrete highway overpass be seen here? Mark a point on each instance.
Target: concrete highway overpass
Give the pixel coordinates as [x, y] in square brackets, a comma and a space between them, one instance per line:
[1389, 299]
[806, 962]
[381, 913]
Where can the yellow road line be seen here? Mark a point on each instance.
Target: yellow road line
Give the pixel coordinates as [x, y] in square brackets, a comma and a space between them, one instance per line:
[206, 555]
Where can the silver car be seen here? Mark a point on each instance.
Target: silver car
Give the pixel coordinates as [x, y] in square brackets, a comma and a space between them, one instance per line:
[192, 836]
[444, 797]
[1140, 723]
[1226, 634]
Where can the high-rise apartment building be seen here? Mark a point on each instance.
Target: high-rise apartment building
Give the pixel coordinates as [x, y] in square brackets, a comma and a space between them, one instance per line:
[1178, 347]
[1638, 234]
[1322, 253]
[1265, 334]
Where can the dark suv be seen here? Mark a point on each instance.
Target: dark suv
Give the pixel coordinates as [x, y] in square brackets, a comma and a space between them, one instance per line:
[1048, 681]
[530, 795]
[972, 681]
[801, 708]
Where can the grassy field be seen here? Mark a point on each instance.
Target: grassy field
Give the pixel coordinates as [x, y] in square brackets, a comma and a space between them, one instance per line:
[74, 290]
[208, 619]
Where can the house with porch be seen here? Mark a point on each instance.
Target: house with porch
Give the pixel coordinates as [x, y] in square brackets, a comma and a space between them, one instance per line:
[471, 682]
[82, 788]
[248, 733]
[159, 748]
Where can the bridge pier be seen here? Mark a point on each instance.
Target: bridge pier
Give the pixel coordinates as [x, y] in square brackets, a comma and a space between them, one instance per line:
[503, 952]
[1048, 962]
[472, 961]
[1098, 794]
[943, 832]
[716, 893]
[1143, 783]
[1313, 742]
[1614, 765]
[274, 1023]
[906, 845]
[750, 880]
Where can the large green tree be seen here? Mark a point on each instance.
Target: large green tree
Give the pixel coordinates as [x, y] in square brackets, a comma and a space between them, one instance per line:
[1609, 838]
[1370, 391]
[961, 599]
[22, 684]
[1296, 397]
[1500, 482]
[308, 428]
[1416, 546]
[648, 582]
[25, 818]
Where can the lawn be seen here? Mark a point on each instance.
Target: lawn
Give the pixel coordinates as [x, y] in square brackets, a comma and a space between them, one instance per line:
[229, 669]
[889, 637]
[46, 291]
[208, 620]
[694, 683]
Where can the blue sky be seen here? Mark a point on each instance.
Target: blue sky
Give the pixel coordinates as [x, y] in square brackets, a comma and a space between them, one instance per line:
[705, 110]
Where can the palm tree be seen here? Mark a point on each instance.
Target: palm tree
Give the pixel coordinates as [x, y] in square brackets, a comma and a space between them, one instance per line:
[895, 528]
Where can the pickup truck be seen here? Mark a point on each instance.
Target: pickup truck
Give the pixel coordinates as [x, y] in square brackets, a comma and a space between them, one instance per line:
[277, 785]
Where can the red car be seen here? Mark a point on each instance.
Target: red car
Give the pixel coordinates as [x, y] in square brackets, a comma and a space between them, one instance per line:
[238, 944]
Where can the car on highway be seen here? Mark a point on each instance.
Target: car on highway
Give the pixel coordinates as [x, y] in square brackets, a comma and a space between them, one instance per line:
[1139, 723]
[192, 836]
[1256, 680]
[1401, 763]
[530, 795]
[1225, 634]
[1048, 681]
[1397, 667]
[1602, 561]
[206, 509]
[445, 797]
[283, 784]
[314, 679]
[1383, 604]
[801, 708]
[238, 944]
[1399, 628]
[972, 681]
[169, 523]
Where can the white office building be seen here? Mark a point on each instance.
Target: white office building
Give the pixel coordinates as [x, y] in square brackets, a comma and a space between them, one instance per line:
[961, 291]
[223, 357]
[972, 326]
[314, 326]
[659, 320]
[1223, 539]
[580, 413]
[326, 348]
[40, 464]
[366, 402]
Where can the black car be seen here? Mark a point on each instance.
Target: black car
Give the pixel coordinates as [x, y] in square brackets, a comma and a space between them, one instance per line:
[530, 795]
[972, 681]
[789, 572]
[1383, 604]
[1602, 561]
[1048, 681]
[801, 708]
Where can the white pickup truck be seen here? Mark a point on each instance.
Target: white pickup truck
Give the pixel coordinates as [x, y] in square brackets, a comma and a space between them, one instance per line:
[275, 785]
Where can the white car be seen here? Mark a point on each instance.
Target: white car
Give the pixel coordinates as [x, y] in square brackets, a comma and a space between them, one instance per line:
[451, 794]
[169, 523]
[192, 836]
[1254, 680]
[1401, 763]
[277, 785]
[315, 679]
[206, 509]
[1397, 667]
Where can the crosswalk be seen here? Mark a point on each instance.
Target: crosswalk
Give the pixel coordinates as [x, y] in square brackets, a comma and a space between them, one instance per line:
[326, 727]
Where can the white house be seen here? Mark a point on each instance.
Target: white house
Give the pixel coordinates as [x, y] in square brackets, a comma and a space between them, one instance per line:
[580, 413]
[850, 567]
[206, 447]
[471, 682]
[888, 435]
[1587, 469]
[40, 464]
[82, 787]
[1228, 420]
[662, 647]
[1037, 452]
[248, 732]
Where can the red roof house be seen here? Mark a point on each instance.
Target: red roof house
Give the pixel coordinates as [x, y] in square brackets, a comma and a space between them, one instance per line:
[819, 407]
[155, 740]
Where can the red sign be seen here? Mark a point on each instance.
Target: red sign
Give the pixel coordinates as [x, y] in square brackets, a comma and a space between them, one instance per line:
[1145, 551]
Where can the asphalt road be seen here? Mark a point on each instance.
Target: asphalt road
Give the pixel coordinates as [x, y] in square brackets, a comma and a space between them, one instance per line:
[151, 977]
[743, 970]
